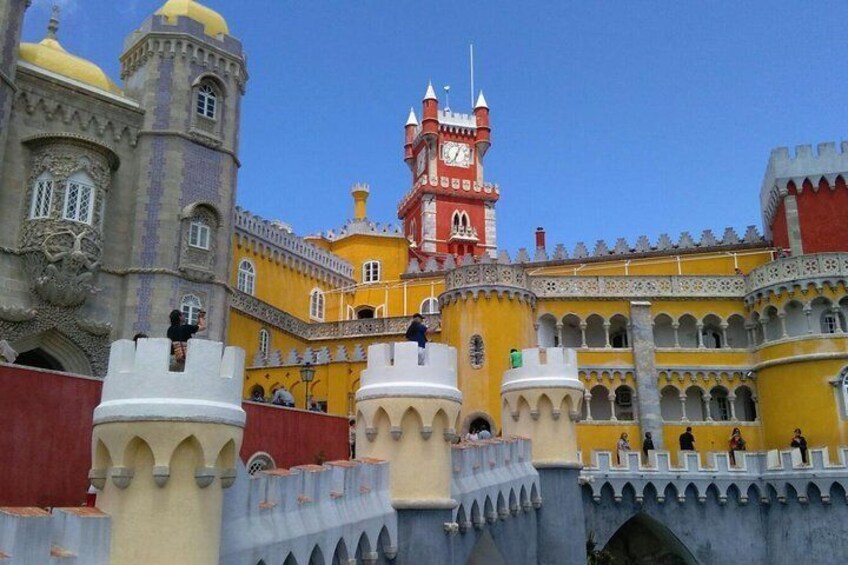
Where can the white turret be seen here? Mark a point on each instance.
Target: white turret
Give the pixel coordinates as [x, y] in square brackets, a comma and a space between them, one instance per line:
[406, 414]
[164, 447]
[541, 400]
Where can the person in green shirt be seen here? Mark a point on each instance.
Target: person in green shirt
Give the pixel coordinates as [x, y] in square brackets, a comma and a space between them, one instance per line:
[515, 358]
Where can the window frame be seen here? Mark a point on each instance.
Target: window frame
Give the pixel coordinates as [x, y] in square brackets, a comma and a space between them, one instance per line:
[477, 351]
[41, 206]
[246, 277]
[207, 101]
[258, 458]
[317, 305]
[85, 194]
[203, 229]
[191, 311]
[264, 342]
[372, 271]
[424, 306]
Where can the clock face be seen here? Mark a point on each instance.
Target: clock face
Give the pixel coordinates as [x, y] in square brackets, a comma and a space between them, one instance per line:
[456, 154]
[421, 162]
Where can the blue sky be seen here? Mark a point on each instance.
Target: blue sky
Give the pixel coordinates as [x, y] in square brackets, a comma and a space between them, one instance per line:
[610, 119]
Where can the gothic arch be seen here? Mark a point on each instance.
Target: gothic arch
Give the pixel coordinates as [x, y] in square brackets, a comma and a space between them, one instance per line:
[58, 347]
[642, 539]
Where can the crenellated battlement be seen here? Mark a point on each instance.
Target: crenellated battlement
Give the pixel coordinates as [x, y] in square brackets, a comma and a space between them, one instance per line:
[771, 474]
[493, 479]
[827, 161]
[551, 367]
[393, 370]
[140, 386]
[65, 535]
[282, 513]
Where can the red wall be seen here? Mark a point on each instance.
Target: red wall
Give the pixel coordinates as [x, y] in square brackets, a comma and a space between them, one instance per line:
[45, 436]
[294, 437]
[823, 217]
[779, 231]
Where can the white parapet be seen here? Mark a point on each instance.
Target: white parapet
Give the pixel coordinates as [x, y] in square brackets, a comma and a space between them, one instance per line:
[556, 369]
[140, 386]
[394, 371]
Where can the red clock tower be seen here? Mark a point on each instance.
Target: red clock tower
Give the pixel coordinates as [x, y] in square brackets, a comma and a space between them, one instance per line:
[450, 209]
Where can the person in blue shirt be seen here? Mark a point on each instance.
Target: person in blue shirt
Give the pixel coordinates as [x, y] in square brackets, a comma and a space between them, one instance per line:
[417, 332]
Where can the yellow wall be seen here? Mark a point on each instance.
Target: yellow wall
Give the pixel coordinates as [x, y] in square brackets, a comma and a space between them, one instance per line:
[503, 323]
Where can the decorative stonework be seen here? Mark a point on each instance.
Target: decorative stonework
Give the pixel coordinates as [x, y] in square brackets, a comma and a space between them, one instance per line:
[63, 256]
[791, 272]
[274, 317]
[265, 236]
[639, 287]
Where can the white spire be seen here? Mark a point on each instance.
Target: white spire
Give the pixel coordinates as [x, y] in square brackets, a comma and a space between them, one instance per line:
[481, 101]
[431, 93]
[411, 120]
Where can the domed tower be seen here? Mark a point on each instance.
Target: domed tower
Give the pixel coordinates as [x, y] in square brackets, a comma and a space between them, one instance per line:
[450, 208]
[487, 310]
[164, 447]
[189, 74]
[11, 24]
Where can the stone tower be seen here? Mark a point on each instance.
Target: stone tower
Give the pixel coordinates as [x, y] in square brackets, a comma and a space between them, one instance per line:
[542, 401]
[406, 414]
[164, 447]
[188, 74]
[450, 208]
[11, 23]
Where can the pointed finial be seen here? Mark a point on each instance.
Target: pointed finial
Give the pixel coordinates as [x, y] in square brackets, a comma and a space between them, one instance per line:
[431, 93]
[53, 25]
[411, 120]
[481, 102]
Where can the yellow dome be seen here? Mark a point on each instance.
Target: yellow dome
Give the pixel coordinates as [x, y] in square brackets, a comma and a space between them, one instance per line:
[213, 23]
[50, 55]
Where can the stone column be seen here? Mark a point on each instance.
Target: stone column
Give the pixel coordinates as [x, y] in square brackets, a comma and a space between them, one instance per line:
[587, 402]
[583, 335]
[731, 399]
[541, 400]
[647, 394]
[164, 446]
[559, 334]
[808, 312]
[682, 397]
[724, 343]
[782, 317]
[611, 399]
[699, 327]
[607, 334]
[836, 311]
[706, 397]
[676, 326]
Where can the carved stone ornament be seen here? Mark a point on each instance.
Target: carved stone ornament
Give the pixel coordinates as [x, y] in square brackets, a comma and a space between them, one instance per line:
[63, 256]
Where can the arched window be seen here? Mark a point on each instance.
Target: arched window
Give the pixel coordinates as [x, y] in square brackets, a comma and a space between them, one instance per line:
[42, 197]
[260, 461]
[246, 277]
[719, 404]
[365, 312]
[207, 101]
[199, 233]
[624, 403]
[371, 272]
[831, 322]
[79, 199]
[191, 306]
[476, 352]
[316, 304]
[429, 306]
[264, 342]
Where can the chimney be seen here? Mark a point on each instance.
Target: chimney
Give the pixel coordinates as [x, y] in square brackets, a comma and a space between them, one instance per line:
[540, 238]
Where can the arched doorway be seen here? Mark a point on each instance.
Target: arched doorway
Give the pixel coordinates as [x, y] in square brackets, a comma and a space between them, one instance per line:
[39, 359]
[644, 541]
